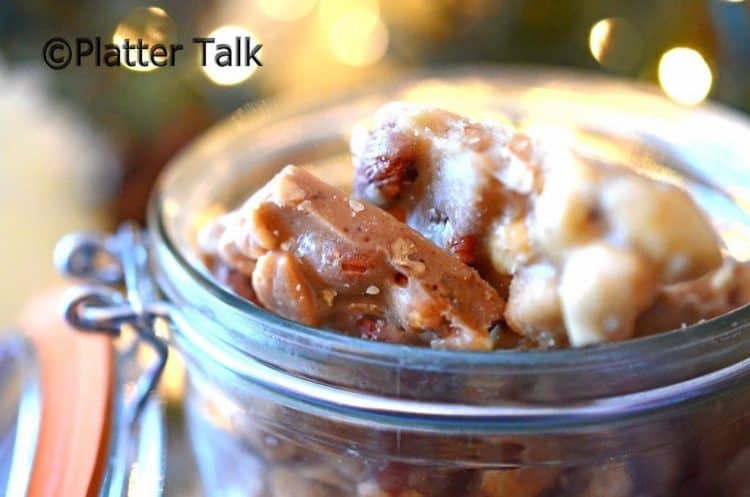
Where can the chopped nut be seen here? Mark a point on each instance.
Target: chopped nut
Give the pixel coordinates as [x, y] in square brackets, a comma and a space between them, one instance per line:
[690, 302]
[356, 206]
[354, 265]
[402, 255]
[411, 493]
[518, 482]
[279, 276]
[370, 327]
[372, 290]
[465, 248]
[328, 296]
[370, 489]
[402, 250]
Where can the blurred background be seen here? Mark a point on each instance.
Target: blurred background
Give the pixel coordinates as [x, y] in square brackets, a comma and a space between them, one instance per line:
[80, 148]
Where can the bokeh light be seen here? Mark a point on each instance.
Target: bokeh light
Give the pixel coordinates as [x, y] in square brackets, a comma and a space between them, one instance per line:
[286, 10]
[232, 74]
[615, 44]
[599, 38]
[151, 24]
[358, 38]
[331, 11]
[685, 76]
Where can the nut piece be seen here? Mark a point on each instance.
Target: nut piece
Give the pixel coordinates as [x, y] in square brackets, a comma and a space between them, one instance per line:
[611, 480]
[533, 306]
[306, 482]
[689, 302]
[522, 482]
[281, 287]
[403, 480]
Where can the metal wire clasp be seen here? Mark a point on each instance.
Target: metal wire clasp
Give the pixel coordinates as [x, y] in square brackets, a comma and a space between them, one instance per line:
[120, 261]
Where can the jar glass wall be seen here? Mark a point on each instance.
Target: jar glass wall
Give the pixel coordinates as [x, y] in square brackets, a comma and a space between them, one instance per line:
[276, 408]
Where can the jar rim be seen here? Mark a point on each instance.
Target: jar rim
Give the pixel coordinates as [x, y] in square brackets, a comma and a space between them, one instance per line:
[449, 417]
[719, 338]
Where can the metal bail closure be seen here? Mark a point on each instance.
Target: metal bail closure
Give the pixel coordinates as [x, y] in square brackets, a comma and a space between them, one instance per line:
[121, 260]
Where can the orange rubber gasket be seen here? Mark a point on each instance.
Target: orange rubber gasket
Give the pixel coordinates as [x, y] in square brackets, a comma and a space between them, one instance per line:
[77, 383]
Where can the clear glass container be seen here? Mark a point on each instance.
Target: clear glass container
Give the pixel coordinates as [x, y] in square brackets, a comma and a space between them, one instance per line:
[278, 409]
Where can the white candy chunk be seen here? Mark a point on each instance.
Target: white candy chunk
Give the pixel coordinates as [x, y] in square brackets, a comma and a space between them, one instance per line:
[662, 222]
[602, 290]
[566, 210]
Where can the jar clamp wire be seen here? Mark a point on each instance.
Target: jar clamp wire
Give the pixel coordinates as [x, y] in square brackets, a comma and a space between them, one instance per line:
[106, 263]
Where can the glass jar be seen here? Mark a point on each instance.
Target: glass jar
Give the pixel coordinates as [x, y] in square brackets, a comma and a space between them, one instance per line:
[279, 409]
